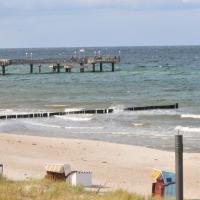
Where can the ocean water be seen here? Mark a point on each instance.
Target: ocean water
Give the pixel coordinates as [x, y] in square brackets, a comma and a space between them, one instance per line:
[146, 76]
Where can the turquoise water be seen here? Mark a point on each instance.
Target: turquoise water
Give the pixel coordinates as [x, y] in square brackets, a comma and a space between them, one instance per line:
[145, 76]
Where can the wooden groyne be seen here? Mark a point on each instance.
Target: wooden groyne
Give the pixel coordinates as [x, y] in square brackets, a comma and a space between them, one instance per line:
[92, 111]
[174, 106]
[58, 64]
[51, 114]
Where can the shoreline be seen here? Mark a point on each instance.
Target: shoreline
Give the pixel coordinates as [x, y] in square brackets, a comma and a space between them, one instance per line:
[113, 165]
[111, 141]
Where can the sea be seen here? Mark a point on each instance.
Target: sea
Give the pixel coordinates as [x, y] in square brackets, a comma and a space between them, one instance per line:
[146, 76]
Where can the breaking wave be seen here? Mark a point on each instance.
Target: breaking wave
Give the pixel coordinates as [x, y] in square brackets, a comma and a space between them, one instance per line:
[187, 129]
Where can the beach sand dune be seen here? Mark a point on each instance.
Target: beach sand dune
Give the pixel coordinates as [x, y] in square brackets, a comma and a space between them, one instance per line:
[113, 165]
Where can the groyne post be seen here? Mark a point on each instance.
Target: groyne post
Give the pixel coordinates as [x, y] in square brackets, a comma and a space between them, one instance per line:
[31, 68]
[101, 66]
[179, 166]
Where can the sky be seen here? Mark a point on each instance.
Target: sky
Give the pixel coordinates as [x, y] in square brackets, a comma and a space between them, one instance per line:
[83, 23]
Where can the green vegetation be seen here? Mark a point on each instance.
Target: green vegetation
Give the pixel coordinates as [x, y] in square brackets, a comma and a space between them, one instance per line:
[47, 190]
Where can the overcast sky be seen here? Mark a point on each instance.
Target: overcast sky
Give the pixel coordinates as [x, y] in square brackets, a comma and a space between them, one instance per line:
[66, 23]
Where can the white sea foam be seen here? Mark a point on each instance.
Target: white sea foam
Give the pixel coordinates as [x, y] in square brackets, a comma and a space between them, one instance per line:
[137, 124]
[187, 129]
[192, 116]
[64, 127]
[157, 112]
[6, 111]
[44, 125]
[85, 117]
[19, 112]
[120, 133]
[117, 108]
[73, 109]
[88, 128]
[55, 105]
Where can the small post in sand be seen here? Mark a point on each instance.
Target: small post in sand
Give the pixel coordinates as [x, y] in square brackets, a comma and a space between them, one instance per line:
[179, 166]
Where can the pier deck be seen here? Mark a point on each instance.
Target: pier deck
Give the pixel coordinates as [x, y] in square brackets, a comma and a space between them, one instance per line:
[58, 63]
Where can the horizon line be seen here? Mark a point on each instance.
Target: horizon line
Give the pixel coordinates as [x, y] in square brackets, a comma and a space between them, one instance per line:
[111, 46]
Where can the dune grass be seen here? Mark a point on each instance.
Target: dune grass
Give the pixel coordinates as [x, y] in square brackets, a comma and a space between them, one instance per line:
[47, 190]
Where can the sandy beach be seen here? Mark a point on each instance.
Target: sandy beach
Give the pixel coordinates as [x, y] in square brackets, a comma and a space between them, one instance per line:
[113, 165]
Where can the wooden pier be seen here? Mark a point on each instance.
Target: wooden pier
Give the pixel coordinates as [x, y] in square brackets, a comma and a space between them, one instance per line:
[58, 64]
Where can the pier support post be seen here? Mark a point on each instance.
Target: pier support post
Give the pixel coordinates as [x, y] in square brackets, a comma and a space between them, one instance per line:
[101, 66]
[31, 68]
[81, 67]
[3, 69]
[113, 66]
[179, 166]
[58, 68]
[66, 70]
[93, 67]
[39, 68]
[119, 59]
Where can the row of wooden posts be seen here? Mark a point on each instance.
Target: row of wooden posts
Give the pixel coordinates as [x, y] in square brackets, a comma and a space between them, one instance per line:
[90, 111]
[68, 68]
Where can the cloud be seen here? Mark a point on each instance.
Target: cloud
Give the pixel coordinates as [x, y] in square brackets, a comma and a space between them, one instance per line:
[71, 23]
[191, 1]
[58, 5]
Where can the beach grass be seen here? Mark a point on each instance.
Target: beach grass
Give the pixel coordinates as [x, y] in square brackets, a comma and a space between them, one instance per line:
[48, 190]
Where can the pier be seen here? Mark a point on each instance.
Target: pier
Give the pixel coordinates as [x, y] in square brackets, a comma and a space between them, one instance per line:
[62, 64]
